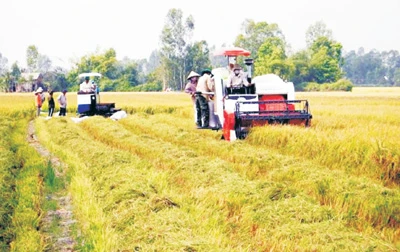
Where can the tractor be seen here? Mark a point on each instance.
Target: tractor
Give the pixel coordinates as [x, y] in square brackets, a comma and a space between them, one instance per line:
[267, 100]
[89, 101]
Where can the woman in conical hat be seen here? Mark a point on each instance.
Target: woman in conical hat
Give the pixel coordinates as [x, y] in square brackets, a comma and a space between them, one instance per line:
[193, 74]
[38, 100]
[190, 89]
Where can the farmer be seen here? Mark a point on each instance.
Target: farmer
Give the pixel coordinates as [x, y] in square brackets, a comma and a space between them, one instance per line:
[87, 86]
[62, 100]
[38, 100]
[51, 103]
[204, 85]
[191, 90]
[237, 79]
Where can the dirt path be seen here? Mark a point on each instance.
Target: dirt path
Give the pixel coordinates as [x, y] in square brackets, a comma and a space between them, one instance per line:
[56, 225]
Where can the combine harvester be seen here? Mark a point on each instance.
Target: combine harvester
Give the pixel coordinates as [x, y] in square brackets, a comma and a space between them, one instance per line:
[268, 100]
[89, 102]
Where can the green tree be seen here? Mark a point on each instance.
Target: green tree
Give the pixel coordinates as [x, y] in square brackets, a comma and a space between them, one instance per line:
[128, 74]
[104, 63]
[326, 60]
[197, 57]
[254, 35]
[301, 63]
[154, 81]
[272, 59]
[13, 77]
[32, 58]
[88, 63]
[15, 71]
[390, 62]
[121, 75]
[372, 68]
[174, 37]
[57, 79]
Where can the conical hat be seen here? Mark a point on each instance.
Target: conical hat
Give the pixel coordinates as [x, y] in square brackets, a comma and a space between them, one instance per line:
[193, 74]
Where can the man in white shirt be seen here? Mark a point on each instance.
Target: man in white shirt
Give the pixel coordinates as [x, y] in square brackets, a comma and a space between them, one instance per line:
[238, 78]
[62, 101]
[87, 86]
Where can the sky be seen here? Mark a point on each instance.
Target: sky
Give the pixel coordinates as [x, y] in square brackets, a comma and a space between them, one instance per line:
[66, 30]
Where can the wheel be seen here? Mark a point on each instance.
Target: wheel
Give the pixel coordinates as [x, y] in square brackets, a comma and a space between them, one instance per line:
[240, 134]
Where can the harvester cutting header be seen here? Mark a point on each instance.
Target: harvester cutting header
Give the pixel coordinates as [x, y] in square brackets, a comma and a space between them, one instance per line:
[258, 101]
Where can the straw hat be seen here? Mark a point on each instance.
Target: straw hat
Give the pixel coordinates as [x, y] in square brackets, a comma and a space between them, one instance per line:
[193, 74]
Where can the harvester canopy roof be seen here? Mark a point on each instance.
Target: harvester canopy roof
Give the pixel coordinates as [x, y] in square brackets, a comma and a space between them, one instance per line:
[232, 51]
[89, 75]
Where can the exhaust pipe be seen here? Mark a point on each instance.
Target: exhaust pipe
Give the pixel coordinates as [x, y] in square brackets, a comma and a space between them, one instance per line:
[249, 64]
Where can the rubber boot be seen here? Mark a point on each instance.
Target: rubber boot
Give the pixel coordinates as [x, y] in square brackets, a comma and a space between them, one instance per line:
[205, 120]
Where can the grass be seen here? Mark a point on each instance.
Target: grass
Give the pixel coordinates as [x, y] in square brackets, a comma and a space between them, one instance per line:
[153, 182]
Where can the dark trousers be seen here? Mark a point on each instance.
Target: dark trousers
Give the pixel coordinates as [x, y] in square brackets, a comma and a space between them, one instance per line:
[203, 112]
[51, 111]
[63, 111]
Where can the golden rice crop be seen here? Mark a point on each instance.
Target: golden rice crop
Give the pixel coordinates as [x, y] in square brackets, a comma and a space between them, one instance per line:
[20, 188]
[152, 181]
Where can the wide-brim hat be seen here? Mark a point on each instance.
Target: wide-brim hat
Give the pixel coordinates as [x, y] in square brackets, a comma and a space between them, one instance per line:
[39, 90]
[193, 74]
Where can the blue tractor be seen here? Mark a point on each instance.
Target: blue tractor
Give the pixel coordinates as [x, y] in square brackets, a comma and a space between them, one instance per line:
[88, 97]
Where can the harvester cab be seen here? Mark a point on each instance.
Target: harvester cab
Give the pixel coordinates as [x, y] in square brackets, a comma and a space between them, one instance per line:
[88, 97]
[267, 99]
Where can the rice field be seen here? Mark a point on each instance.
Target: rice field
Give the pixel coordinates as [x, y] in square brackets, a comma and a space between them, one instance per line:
[153, 182]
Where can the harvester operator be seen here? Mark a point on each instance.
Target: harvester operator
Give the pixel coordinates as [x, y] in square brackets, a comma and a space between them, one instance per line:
[237, 79]
[87, 86]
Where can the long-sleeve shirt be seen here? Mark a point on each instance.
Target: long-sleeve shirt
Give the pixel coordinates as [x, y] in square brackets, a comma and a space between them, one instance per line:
[190, 88]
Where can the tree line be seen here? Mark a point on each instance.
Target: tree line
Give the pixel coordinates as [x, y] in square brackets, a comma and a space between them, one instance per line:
[322, 62]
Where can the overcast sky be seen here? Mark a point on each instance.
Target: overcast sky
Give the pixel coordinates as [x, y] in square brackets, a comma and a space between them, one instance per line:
[66, 30]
